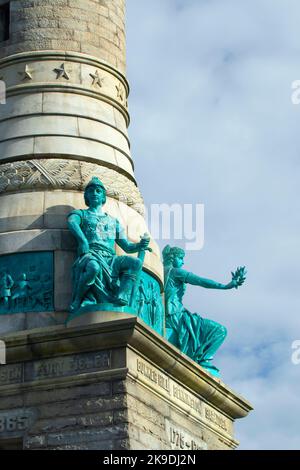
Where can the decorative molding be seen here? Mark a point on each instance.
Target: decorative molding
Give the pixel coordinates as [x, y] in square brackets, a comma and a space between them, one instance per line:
[61, 72]
[120, 93]
[26, 74]
[97, 80]
[76, 57]
[35, 74]
[73, 175]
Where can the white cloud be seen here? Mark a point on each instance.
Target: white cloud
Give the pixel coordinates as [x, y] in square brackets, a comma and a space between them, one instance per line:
[213, 123]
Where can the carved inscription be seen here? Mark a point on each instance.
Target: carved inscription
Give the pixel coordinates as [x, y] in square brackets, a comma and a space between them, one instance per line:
[215, 418]
[182, 440]
[69, 365]
[11, 374]
[178, 393]
[175, 391]
[153, 375]
[187, 398]
[53, 368]
[15, 423]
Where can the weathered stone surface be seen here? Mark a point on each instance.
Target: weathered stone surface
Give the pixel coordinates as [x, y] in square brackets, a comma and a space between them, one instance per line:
[107, 433]
[66, 119]
[91, 393]
[82, 406]
[55, 174]
[35, 442]
[83, 23]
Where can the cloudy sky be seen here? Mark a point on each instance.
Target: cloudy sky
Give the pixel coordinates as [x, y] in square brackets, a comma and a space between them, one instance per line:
[213, 123]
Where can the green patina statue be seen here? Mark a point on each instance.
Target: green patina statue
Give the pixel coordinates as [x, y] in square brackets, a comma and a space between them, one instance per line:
[99, 275]
[6, 284]
[197, 337]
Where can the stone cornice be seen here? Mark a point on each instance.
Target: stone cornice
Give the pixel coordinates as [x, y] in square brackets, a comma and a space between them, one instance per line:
[123, 330]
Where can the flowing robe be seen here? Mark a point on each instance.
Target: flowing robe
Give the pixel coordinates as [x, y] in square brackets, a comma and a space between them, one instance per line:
[197, 337]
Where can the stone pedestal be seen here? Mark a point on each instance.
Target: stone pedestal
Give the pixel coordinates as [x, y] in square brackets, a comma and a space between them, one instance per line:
[111, 384]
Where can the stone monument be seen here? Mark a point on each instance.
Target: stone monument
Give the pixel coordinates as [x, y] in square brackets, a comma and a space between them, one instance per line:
[89, 364]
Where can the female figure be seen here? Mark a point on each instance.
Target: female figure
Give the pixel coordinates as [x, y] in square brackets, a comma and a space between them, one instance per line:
[197, 337]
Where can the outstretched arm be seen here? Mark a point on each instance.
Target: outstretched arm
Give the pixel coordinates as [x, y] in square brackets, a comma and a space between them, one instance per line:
[201, 281]
[238, 278]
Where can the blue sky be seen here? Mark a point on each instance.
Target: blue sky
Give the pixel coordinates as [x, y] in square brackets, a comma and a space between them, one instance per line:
[213, 123]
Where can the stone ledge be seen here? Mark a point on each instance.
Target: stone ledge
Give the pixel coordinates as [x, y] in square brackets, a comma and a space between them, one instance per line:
[117, 331]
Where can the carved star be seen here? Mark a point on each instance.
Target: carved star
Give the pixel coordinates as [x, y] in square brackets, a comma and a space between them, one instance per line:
[26, 74]
[61, 72]
[97, 80]
[120, 93]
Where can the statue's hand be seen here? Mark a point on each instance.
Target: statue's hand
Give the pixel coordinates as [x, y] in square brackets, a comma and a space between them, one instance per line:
[238, 277]
[83, 248]
[144, 244]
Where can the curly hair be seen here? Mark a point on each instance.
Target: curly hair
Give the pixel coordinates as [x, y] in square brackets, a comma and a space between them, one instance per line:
[170, 253]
